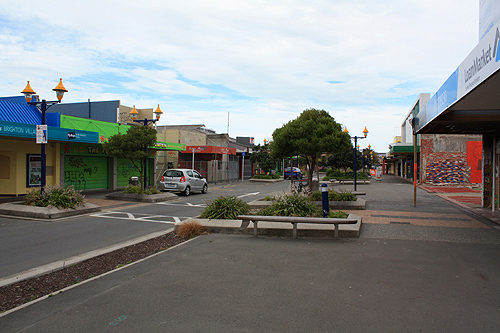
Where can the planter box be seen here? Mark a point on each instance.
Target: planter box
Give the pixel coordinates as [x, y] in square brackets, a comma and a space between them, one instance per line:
[141, 197]
[18, 209]
[350, 181]
[266, 180]
[359, 204]
[284, 229]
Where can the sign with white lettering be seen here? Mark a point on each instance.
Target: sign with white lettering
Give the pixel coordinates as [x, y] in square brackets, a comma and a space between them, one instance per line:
[481, 63]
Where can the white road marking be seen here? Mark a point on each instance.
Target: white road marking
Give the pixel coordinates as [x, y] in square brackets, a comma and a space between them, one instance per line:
[181, 204]
[248, 194]
[144, 218]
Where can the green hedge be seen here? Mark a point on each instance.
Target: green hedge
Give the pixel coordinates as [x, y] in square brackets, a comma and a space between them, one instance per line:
[333, 196]
[267, 176]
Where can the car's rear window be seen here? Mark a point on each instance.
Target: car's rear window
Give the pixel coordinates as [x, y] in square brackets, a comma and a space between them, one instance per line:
[173, 173]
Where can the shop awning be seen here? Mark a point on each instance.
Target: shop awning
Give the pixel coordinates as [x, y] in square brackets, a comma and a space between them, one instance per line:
[467, 103]
[11, 129]
[396, 149]
[169, 146]
[210, 150]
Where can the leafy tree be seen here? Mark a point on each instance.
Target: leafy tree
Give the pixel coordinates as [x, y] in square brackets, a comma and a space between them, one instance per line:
[133, 146]
[341, 160]
[263, 158]
[371, 157]
[312, 133]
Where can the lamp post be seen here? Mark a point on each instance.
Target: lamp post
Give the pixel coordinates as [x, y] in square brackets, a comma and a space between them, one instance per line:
[145, 122]
[43, 106]
[365, 133]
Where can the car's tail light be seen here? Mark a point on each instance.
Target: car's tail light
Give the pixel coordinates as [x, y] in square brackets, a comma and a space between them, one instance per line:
[183, 179]
[162, 178]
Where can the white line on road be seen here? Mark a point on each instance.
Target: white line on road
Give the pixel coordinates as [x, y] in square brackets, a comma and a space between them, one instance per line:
[113, 215]
[248, 194]
[181, 204]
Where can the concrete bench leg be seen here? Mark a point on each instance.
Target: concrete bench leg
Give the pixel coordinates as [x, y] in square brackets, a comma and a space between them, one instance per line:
[294, 230]
[255, 228]
[336, 231]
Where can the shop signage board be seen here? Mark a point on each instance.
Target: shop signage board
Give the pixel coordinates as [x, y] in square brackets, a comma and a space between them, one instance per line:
[20, 130]
[479, 65]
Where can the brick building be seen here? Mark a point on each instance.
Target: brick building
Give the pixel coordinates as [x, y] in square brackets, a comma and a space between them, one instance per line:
[441, 158]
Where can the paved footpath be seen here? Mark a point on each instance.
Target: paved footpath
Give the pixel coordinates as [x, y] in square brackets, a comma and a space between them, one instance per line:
[430, 268]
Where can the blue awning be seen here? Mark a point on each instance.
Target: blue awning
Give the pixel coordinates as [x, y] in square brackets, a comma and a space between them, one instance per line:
[20, 113]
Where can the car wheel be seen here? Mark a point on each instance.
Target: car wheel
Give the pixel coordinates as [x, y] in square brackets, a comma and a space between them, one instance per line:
[187, 191]
[205, 189]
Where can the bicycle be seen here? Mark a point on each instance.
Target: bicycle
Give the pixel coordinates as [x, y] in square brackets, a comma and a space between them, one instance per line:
[300, 186]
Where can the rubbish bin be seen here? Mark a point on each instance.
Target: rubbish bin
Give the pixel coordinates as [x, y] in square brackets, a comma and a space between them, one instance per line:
[134, 181]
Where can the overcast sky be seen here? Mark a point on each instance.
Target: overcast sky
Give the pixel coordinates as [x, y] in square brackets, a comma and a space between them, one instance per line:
[263, 62]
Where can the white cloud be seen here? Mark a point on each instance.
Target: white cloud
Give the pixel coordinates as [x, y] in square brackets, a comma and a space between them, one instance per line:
[262, 61]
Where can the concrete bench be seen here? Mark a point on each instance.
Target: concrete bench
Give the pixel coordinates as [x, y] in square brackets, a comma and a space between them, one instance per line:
[245, 221]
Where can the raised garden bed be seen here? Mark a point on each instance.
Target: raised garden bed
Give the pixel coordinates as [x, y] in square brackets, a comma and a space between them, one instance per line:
[141, 197]
[359, 204]
[350, 181]
[279, 229]
[19, 209]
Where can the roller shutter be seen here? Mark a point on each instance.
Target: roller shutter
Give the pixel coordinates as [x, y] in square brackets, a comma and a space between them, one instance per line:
[86, 172]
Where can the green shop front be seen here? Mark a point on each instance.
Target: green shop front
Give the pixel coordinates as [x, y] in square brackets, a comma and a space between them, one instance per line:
[88, 167]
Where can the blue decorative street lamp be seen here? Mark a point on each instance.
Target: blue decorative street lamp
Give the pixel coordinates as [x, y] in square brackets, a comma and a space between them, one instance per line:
[145, 122]
[365, 133]
[43, 106]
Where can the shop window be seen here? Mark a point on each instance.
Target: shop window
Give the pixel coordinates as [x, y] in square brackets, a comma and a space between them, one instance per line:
[4, 167]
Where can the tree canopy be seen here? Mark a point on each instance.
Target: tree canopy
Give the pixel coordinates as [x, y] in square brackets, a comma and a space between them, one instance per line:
[263, 158]
[311, 134]
[133, 146]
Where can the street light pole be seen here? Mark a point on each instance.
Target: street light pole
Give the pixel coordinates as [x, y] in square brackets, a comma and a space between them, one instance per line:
[145, 122]
[365, 133]
[43, 106]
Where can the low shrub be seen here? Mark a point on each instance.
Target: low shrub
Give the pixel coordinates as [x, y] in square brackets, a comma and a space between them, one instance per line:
[338, 215]
[131, 189]
[191, 229]
[291, 205]
[151, 191]
[225, 207]
[270, 176]
[60, 196]
[333, 196]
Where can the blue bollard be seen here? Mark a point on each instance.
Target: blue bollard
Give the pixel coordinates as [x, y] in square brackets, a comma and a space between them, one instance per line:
[324, 196]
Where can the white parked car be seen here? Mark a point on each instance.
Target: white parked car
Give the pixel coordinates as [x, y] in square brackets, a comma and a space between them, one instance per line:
[184, 181]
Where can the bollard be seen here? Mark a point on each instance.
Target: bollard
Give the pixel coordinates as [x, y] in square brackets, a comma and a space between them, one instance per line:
[324, 196]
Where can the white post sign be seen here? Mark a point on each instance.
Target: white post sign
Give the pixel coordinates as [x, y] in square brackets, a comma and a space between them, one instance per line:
[41, 134]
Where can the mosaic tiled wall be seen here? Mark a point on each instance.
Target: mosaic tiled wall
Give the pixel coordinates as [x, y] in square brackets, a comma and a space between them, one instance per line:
[448, 172]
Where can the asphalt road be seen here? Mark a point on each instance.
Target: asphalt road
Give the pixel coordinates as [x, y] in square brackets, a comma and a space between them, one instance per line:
[426, 275]
[25, 244]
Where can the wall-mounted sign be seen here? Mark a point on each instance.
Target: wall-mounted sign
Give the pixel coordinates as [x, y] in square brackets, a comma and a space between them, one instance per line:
[21, 130]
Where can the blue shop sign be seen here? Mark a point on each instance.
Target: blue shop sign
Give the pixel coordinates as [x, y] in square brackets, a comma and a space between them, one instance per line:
[21, 130]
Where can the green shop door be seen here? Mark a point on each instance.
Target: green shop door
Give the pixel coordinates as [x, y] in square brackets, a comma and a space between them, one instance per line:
[86, 172]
